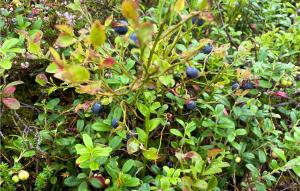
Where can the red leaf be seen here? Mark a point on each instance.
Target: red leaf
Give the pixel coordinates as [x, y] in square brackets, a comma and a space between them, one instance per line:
[108, 62]
[281, 94]
[11, 103]
[8, 91]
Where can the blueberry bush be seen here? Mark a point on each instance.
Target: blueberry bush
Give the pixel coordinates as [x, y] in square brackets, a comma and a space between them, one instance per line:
[150, 95]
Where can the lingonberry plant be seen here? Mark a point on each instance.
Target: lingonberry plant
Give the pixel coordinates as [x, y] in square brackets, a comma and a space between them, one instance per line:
[152, 95]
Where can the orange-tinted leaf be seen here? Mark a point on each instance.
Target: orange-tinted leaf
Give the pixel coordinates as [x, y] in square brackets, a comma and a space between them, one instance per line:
[130, 9]
[11, 103]
[179, 6]
[59, 62]
[191, 155]
[75, 74]
[97, 34]
[213, 152]
[34, 44]
[91, 89]
[108, 62]
[41, 79]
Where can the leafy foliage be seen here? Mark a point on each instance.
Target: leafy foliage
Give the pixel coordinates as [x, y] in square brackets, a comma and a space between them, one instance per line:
[169, 95]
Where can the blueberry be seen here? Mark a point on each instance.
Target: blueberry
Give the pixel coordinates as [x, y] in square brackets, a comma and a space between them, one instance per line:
[97, 108]
[199, 22]
[235, 86]
[191, 105]
[192, 72]
[115, 123]
[121, 28]
[207, 49]
[170, 164]
[247, 85]
[133, 38]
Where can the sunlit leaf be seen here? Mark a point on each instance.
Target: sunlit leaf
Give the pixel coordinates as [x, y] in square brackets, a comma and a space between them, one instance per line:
[179, 5]
[151, 154]
[130, 9]
[97, 34]
[75, 74]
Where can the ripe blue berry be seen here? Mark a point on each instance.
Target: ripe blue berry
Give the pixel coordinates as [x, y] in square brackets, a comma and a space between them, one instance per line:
[115, 123]
[97, 108]
[235, 86]
[192, 72]
[198, 21]
[191, 105]
[133, 38]
[207, 49]
[121, 28]
[247, 85]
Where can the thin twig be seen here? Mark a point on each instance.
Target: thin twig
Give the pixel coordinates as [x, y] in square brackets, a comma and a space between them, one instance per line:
[224, 26]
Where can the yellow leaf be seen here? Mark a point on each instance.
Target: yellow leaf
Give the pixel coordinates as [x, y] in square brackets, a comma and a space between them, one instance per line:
[57, 60]
[179, 6]
[108, 20]
[97, 34]
[130, 9]
[65, 29]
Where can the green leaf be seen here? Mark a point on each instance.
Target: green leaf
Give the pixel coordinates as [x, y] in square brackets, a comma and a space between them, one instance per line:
[265, 84]
[82, 158]
[83, 186]
[87, 141]
[150, 154]
[296, 170]
[81, 176]
[76, 74]
[133, 146]
[167, 80]
[8, 44]
[226, 123]
[95, 183]
[240, 132]
[260, 186]
[100, 126]
[142, 136]
[132, 182]
[176, 132]
[101, 151]
[6, 64]
[41, 79]
[143, 109]
[262, 156]
[80, 125]
[127, 165]
[201, 184]
[280, 153]
[115, 142]
[29, 153]
[253, 169]
[97, 34]
[154, 123]
[52, 68]
[65, 40]
[71, 181]
[75, 6]
[93, 165]
[212, 183]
